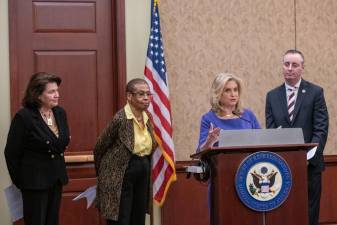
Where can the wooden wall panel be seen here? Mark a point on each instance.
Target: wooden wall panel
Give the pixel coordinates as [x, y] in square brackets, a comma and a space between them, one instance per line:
[81, 177]
[328, 213]
[64, 17]
[83, 43]
[186, 202]
[78, 88]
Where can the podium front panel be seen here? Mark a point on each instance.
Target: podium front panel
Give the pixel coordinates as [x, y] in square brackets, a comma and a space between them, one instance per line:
[228, 208]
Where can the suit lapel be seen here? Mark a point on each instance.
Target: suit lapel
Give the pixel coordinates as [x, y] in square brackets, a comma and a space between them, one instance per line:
[42, 125]
[300, 96]
[283, 102]
[59, 122]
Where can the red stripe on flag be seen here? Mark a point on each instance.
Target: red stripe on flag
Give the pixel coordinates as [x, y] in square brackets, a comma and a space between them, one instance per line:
[165, 147]
[157, 168]
[157, 89]
[163, 120]
[160, 193]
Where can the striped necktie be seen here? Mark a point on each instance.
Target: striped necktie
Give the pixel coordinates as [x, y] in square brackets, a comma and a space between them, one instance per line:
[291, 103]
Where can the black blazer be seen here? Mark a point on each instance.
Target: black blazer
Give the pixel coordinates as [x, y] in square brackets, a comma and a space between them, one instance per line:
[34, 155]
[310, 114]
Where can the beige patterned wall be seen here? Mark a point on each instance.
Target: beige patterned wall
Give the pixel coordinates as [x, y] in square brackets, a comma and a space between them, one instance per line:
[247, 38]
[317, 36]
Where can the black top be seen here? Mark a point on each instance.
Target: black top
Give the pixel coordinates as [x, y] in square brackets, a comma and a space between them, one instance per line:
[34, 154]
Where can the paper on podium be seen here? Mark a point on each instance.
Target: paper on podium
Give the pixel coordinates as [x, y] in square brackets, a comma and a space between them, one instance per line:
[89, 194]
[194, 169]
[311, 153]
[14, 202]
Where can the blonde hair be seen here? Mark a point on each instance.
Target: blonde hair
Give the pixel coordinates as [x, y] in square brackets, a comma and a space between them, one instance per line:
[217, 88]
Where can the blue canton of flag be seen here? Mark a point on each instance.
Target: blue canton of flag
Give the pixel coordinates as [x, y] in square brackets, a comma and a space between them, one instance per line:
[155, 49]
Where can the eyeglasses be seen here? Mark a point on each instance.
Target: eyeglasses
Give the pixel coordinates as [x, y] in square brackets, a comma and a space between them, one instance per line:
[142, 94]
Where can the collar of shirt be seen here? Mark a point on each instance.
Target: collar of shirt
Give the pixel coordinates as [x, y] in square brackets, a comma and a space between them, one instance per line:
[130, 115]
[291, 88]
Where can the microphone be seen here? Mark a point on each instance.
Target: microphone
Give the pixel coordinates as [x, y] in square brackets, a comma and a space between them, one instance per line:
[242, 118]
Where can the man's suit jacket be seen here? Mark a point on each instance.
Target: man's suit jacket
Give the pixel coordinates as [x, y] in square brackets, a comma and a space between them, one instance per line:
[34, 155]
[310, 114]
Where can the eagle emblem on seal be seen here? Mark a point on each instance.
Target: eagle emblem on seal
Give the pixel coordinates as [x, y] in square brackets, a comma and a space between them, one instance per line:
[263, 181]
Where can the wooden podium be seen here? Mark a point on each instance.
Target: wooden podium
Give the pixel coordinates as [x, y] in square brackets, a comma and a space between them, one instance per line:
[226, 206]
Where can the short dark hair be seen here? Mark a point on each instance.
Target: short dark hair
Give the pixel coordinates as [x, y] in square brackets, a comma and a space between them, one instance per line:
[294, 51]
[130, 87]
[36, 86]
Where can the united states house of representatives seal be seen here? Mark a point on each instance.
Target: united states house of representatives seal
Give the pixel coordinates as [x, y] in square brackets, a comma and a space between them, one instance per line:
[263, 181]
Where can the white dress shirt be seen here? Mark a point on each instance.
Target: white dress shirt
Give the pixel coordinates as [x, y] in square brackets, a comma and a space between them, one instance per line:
[289, 89]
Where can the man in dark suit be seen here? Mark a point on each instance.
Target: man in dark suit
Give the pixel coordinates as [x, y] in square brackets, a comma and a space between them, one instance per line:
[300, 104]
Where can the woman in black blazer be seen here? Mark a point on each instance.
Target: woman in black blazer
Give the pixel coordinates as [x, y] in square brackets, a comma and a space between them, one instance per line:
[34, 152]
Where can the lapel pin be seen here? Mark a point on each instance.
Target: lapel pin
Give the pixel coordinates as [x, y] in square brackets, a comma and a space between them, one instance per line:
[303, 91]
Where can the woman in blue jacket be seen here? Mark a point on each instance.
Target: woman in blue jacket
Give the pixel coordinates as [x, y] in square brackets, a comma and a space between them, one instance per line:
[226, 111]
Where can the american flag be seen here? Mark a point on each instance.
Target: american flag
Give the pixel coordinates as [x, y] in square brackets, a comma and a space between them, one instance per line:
[163, 169]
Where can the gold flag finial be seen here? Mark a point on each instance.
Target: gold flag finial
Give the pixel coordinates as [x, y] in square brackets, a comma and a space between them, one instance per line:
[155, 3]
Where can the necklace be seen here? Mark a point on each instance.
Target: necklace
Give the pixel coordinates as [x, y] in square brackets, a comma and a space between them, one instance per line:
[226, 116]
[48, 119]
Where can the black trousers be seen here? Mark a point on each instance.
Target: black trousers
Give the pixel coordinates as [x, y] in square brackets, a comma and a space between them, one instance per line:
[134, 196]
[41, 207]
[314, 195]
